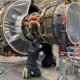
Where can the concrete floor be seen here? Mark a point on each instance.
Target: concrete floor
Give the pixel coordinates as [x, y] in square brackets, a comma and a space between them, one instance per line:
[15, 66]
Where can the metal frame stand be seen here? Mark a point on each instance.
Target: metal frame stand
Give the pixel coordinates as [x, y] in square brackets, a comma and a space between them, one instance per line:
[63, 73]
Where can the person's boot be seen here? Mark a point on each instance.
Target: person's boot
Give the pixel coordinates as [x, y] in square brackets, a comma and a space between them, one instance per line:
[49, 59]
[31, 65]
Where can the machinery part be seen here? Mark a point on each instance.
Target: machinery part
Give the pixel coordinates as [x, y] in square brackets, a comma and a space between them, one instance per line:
[72, 23]
[51, 23]
[12, 30]
[31, 27]
[12, 25]
[51, 20]
[4, 47]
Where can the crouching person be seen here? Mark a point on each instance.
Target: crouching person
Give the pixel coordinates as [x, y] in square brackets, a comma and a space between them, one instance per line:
[34, 49]
[32, 69]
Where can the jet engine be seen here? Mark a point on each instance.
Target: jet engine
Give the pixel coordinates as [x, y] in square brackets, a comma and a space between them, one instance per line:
[51, 19]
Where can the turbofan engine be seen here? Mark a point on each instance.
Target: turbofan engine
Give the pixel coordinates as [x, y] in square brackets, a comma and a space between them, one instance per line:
[51, 19]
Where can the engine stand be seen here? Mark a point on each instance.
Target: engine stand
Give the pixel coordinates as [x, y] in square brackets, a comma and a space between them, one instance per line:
[63, 75]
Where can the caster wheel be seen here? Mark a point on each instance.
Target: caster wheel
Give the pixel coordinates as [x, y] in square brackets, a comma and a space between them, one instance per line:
[25, 74]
